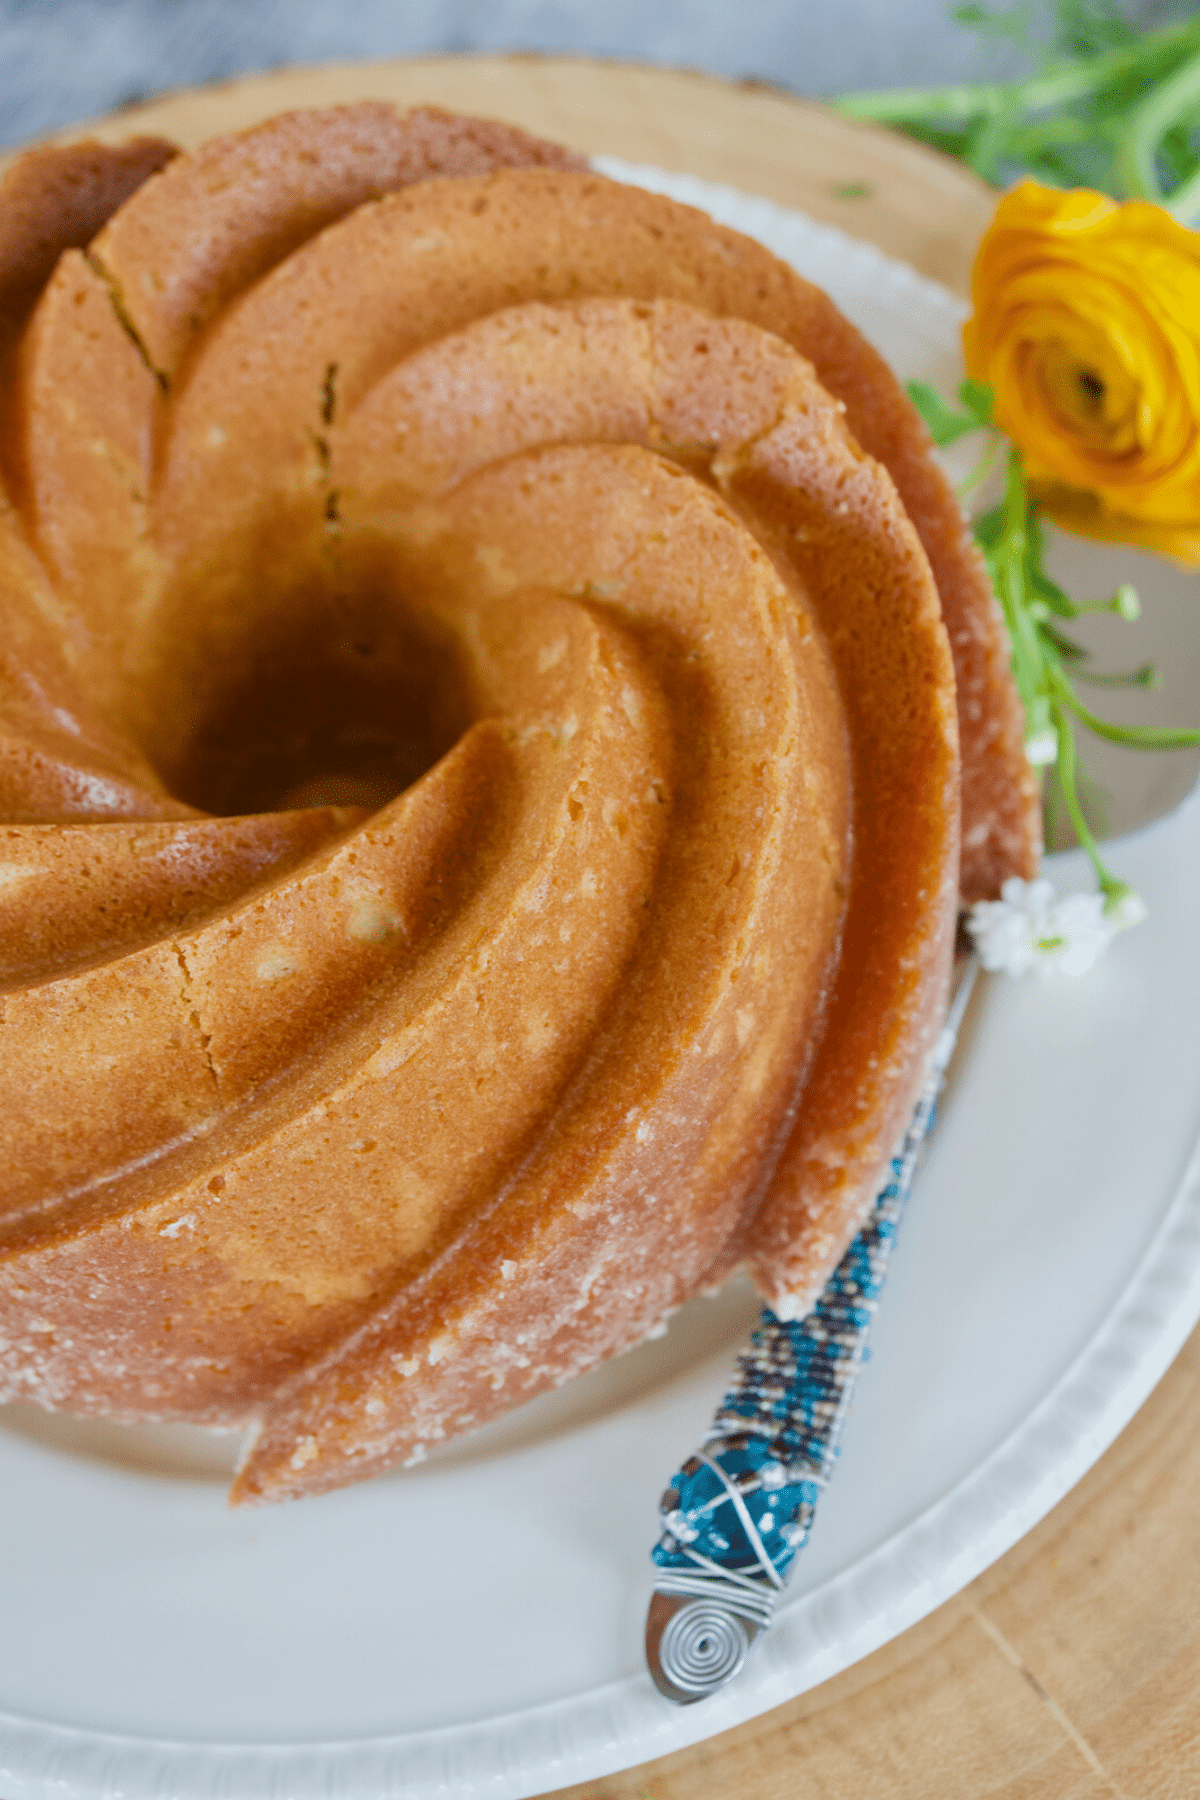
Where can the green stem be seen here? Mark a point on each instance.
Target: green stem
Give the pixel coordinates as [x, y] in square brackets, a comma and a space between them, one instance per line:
[982, 469]
[1028, 657]
[1135, 737]
[1067, 782]
[1148, 123]
[1145, 677]
[893, 106]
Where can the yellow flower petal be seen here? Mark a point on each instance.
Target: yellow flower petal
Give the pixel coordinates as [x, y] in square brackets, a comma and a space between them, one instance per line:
[1087, 323]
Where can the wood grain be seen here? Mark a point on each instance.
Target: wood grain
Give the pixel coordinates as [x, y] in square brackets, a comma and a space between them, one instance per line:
[1071, 1670]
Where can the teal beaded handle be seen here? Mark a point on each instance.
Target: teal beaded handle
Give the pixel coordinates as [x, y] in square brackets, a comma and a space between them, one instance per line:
[737, 1512]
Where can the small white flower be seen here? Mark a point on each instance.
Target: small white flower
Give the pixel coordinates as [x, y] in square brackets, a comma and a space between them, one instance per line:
[1030, 927]
[1041, 747]
[1077, 930]
[1129, 909]
[1005, 930]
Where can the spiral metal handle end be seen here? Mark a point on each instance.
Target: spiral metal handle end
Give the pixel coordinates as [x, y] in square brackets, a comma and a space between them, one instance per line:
[694, 1646]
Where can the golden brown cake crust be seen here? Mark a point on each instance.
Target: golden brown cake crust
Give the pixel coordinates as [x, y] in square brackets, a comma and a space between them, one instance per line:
[1001, 805]
[309, 168]
[57, 199]
[531, 462]
[53, 200]
[214, 225]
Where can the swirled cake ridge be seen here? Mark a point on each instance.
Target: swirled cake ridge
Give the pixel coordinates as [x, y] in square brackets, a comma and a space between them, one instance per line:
[489, 736]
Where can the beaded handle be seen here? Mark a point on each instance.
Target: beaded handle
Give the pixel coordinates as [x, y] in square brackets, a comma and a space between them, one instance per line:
[738, 1511]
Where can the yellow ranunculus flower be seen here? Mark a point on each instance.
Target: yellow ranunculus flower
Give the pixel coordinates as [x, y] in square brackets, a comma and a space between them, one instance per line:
[1087, 324]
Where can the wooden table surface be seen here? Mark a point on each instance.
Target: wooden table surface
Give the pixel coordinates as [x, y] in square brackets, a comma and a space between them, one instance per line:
[1071, 1669]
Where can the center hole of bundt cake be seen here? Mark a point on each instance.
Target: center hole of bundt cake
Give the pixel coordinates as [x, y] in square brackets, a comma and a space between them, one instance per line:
[332, 706]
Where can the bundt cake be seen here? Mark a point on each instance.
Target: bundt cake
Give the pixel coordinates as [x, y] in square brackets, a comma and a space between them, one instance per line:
[480, 772]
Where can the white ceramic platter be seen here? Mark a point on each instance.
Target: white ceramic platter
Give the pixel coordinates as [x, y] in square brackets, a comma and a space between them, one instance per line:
[474, 1627]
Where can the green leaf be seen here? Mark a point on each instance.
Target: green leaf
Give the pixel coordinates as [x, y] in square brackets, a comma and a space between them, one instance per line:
[945, 426]
[987, 530]
[1014, 27]
[1107, 104]
[978, 397]
[1066, 648]
[1050, 593]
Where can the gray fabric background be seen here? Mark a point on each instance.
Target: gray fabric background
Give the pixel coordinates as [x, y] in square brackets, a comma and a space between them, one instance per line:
[62, 60]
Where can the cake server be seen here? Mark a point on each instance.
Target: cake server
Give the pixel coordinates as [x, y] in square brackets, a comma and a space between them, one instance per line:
[739, 1509]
